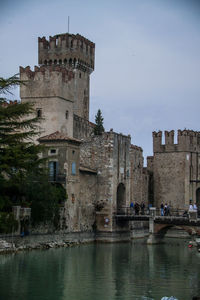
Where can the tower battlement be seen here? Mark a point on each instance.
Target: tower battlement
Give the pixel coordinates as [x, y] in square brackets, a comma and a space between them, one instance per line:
[47, 81]
[188, 140]
[72, 50]
[67, 75]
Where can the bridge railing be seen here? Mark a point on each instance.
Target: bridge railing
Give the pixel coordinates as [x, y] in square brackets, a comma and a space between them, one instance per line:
[128, 211]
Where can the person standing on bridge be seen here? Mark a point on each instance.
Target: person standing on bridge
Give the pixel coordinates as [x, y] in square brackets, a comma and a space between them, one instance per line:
[137, 208]
[142, 206]
[131, 207]
[165, 209]
[162, 209]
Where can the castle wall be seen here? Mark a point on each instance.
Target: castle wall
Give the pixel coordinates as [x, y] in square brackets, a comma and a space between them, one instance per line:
[176, 168]
[109, 154]
[82, 128]
[171, 179]
[88, 195]
[137, 193]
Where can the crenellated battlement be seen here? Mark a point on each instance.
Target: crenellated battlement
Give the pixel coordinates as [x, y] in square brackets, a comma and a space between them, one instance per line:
[188, 140]
[67, 75]
[67, 49]
[47, 81]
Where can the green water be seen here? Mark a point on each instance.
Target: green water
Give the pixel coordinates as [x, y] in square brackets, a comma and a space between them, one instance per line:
[102, 272]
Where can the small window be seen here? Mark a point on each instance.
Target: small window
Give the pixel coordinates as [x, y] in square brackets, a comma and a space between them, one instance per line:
[53, 151]
[73, 152]
[39, 112]
[66, 114]
[73, 168]
[79, 75]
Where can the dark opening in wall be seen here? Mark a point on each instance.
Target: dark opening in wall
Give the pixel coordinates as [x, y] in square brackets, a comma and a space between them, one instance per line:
[66, 114]
[39, 112]
[53, 151]
[79, 75]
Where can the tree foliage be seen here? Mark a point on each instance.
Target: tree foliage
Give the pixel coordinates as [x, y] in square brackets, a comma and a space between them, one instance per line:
[23, 179]
[98, 129]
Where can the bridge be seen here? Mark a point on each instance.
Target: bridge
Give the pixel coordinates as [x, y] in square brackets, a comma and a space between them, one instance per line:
[158, 225]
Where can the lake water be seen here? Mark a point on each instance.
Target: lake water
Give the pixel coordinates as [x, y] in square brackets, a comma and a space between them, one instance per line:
[120, 271]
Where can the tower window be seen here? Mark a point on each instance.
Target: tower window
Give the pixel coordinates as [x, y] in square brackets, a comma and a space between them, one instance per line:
[73, 168]
[66, 114]
[79, 75]
[60, 61]
[39, 112]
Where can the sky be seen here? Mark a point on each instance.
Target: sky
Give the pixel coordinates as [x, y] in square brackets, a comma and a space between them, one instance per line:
[147, 59]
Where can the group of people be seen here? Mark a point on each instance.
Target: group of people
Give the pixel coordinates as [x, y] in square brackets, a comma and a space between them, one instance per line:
[192, 206]
[165, 209]
[137, 208]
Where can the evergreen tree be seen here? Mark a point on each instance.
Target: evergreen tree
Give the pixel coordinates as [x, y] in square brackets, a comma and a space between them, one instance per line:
[98, 129]
[21, 170]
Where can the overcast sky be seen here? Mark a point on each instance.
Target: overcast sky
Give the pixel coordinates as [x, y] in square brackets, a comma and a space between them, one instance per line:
[147, 65]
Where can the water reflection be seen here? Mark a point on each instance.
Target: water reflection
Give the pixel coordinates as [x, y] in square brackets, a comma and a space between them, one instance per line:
[102, 272]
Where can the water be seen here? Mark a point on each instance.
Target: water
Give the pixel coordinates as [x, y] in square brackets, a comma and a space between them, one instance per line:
[102, 272]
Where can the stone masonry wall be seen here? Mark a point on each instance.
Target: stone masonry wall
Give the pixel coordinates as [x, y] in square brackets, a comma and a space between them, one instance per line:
[136, 174]
[171, 179]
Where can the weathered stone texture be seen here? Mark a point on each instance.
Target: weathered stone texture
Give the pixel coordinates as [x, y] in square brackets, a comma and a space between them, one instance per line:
[136, 174]
[176, 168]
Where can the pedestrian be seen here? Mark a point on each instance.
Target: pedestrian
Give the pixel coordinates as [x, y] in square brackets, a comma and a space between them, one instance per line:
[142, 206]
[162, 209]
[131, 207]
[195, 206]
[165, 209]
[168, 210]
[190, 206]
[137, 208]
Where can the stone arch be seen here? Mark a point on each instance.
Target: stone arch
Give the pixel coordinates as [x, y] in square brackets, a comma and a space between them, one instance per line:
[161, 229]
[121, 199]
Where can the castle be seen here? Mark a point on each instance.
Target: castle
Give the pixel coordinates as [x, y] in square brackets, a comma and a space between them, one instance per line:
[101, 174]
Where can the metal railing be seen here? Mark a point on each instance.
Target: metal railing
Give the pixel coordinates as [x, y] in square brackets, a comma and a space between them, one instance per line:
[60, 178]
[128, 211]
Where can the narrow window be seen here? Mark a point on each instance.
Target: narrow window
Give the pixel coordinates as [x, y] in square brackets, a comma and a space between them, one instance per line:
[66, 114]
[79, 75]
[39, 112]
[73, 168]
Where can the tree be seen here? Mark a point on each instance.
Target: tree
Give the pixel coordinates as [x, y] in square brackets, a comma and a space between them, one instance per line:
[23, 177]
[98, 129]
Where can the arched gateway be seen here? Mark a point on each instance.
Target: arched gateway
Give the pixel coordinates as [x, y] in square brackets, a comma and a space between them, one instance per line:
[121, 199]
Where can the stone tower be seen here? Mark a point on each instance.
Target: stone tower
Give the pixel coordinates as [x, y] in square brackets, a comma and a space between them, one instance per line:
[59, 87]
[176, 168]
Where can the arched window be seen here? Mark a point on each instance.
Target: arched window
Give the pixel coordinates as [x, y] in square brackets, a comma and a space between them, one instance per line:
[70, 62]
[55, 61]
[65, 61]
